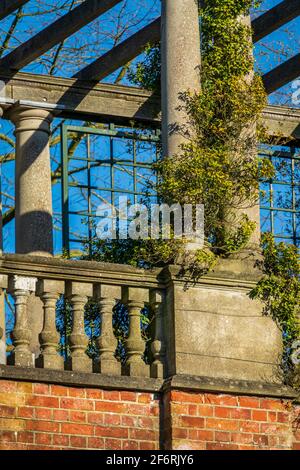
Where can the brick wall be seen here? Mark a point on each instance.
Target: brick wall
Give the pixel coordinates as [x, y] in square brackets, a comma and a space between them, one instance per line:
[41, 416]
[218, 422]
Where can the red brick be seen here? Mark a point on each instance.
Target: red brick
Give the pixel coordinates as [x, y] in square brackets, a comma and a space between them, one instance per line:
[59, 390]
[269, 404]
[283, 417]
[112, 419]
[61, 415]
[222, 412]
[78, 441]
[107, 406]
[192, 421]
[25, 436]
[205, 410]
[142, 434]
[130, 421]
[204, 435]
[95, 418]
[94, 394]
[192, 410]
[46, 426]
[240, 413]
[43, 401]
[144, 398]
[259, 415]
[7, 411]
[128, 396]
[43, 438]
[273, 428]
[43, 413]
[96, 443]
[8, 436]
[76, 404]
[79, 429]
[106, 431]
[241, 438]
[61, 440]
[221, 446]
[185, 397]
[248, 426]
[111, 395]
[76, 392]
[179, 433]
[249, 402]
[222, 424]
[7, 386]
[41, 389]
[260, 439]
[78, 416]
[130, 445]
[221, 399]
[25, 412]
[222, 436]
[147, 445]
[113, 444]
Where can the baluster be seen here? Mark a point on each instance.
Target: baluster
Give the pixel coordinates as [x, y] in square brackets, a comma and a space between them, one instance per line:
[78, 293]
[3, 285]
[135, 299]
[107, 296]
[158, 345]
[49, 358]
[21, 287]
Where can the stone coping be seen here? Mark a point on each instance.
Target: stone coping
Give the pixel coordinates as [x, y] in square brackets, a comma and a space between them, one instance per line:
[144, 384]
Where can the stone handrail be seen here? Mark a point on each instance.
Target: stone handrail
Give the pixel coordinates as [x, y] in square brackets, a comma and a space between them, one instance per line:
[48, 278]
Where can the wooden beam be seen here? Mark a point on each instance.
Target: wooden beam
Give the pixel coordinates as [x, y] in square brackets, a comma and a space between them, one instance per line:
[121, 54]
[9, 6]
[55, 33]
[283, 74]
[275, 18]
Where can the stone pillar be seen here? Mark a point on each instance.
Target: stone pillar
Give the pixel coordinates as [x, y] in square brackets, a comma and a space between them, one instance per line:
[106, 297]
[135, 298]
[3, 285]
[158, 349]
[33, 181]
[77, 293]
[21, 287]
[48, 291]
[180, 42]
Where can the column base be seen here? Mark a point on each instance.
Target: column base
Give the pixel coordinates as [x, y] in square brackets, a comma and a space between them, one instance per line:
[80, 364]
[136, 369]
[157, 371]
[21, 359]
[107, 367]
[50, 361]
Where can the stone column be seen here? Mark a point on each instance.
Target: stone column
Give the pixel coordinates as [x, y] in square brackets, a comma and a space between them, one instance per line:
[158, 345]
[33, 181]
[3, 285]
[180, 42]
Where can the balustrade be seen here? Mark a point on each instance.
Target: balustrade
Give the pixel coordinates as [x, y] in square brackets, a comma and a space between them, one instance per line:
[79, 283]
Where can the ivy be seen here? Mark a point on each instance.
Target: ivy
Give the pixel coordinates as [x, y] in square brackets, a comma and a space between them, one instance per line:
[279, 290]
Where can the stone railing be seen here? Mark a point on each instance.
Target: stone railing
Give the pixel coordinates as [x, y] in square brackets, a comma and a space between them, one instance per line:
[36, 284]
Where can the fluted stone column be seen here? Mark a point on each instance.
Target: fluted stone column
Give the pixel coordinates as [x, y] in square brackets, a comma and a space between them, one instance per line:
[33, 181]
[180, 42]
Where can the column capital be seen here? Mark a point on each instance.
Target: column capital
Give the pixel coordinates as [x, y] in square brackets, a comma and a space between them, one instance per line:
[30, 118]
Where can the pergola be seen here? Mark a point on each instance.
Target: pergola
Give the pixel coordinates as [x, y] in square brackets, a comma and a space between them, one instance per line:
[29, 98]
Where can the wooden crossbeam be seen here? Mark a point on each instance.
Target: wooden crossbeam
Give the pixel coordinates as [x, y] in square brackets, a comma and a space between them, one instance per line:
[55, 33]
[283, 74]
[9, 6]
[134, 45]
[275, 18]
[121, 54]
